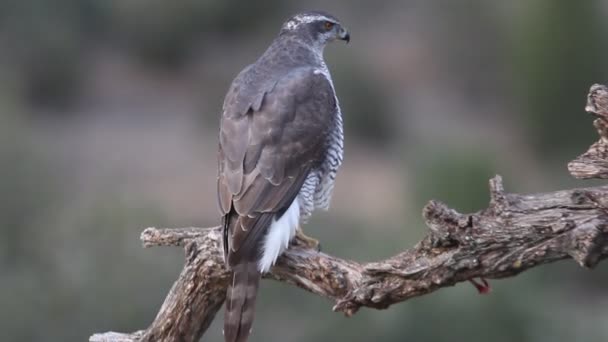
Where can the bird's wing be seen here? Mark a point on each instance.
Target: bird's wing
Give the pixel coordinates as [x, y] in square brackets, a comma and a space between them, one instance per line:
[268, 144]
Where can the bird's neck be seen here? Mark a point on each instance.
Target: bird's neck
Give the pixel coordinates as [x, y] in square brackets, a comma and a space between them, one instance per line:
[298, 50]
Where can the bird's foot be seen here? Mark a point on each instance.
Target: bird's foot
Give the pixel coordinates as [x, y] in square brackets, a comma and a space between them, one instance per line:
[482, 287]
[306, 241]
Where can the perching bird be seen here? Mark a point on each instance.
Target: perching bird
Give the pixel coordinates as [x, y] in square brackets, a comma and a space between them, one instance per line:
[281, 143]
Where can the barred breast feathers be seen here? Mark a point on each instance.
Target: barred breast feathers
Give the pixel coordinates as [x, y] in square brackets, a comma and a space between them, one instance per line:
[331, 164]
[326, 174]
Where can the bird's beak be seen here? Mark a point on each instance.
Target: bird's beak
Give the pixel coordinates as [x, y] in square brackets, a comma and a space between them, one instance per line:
[344, 35]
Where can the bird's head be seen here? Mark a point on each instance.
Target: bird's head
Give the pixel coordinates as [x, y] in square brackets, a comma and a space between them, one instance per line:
[316, 26]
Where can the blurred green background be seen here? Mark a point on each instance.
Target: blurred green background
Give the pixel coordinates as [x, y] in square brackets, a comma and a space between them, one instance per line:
[108, 124]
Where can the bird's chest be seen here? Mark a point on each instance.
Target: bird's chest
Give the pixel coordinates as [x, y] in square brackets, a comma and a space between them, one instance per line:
[334, 152]
[334, 141]
[317, 189]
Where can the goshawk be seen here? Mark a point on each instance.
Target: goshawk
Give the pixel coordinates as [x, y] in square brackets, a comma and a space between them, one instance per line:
[281, 143]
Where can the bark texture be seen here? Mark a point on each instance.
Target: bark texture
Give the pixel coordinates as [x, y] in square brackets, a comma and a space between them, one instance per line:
[515, 233]
[594, 162]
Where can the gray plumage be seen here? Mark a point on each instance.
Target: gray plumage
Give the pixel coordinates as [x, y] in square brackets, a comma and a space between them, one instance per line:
[281, 144]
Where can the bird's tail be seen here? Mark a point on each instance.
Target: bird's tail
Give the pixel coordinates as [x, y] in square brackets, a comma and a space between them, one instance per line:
[240, 301]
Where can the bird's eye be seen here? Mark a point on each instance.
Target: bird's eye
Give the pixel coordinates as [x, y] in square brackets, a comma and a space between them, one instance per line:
[328, 25]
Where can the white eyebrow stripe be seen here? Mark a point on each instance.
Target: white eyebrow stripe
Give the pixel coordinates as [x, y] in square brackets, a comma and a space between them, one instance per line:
[305, 19]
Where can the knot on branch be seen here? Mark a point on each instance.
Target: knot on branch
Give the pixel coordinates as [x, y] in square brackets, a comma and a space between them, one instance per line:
[446, 224]
[370, 293]
[597, 101]
[594, 162]
[589, 197]
[348, 306]
[588, 242]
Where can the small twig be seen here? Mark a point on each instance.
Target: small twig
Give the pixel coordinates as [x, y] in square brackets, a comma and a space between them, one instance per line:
[170, 236]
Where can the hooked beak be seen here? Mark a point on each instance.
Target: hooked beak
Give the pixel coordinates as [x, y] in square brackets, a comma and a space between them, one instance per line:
[344, 35]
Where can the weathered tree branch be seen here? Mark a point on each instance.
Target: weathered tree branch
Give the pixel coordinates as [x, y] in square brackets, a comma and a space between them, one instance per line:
[515, 233]
[594, 162]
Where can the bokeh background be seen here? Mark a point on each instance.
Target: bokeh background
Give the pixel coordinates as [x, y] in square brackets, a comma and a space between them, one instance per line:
[109, 113]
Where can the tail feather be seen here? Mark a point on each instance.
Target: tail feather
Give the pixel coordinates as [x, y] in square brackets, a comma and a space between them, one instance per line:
[240, 302]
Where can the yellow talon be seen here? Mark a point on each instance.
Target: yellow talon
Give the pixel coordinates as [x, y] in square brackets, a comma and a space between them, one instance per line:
[306, 241]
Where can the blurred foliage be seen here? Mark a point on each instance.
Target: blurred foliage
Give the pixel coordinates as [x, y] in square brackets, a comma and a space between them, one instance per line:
[366, 108]
[29, 191]
[457, 177]
[46, 42]
[47, 279]
[558, 52]
[163, 33]
[49, 41]
[461, 43]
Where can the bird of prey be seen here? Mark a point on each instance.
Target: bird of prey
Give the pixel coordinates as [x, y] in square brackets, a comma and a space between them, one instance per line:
[281, 143]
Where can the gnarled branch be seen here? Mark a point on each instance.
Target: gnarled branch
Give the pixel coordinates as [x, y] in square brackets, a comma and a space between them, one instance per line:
[515, 233]
[594, 162]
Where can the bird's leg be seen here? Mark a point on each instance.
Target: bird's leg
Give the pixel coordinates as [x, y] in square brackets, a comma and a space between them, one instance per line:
[306, 241]
[483, 287]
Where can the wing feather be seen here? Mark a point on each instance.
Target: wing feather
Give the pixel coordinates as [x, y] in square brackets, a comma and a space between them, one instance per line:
[266, 153]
